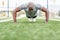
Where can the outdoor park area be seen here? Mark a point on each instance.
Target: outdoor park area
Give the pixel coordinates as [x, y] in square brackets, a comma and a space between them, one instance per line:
[23, 29]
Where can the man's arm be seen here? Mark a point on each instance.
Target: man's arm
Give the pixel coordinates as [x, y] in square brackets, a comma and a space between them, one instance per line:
[46, 13]
[14, 13]
[21, 7]
[38, 6]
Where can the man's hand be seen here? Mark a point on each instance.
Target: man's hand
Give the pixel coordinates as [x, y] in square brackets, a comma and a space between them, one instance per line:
[45, 22]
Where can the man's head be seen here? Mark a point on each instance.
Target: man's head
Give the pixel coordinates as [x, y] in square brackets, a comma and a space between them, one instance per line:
[30, 5]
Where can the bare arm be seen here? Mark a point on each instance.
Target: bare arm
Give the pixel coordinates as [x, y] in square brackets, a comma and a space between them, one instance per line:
[15, 12]
[46, 13]
[38, 6]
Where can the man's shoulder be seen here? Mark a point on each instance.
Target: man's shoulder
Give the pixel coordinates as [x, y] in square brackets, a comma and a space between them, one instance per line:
[38, 6]
[23, 6]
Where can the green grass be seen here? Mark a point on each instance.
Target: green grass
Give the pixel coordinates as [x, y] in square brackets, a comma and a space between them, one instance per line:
[25, 30]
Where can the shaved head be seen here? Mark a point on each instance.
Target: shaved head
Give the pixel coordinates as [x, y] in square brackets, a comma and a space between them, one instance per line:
[30, 5]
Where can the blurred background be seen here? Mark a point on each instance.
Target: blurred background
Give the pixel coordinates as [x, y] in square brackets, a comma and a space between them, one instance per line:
[7, 6]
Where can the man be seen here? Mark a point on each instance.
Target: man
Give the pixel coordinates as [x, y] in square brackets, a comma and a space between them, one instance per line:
[31, 9]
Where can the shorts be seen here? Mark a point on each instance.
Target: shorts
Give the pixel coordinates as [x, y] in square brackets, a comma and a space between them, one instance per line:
[32, 17]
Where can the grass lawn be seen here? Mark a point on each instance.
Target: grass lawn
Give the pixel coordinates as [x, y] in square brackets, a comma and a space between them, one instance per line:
[24, 30]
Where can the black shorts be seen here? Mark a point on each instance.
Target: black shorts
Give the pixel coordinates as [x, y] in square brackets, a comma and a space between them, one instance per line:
[32, 17]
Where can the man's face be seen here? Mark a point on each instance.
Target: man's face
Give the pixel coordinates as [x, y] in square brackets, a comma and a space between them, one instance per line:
[30, 6]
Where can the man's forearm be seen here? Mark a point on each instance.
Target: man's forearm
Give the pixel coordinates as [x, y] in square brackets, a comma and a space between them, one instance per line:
[47, 16]
[46, 13]
[14, 16]
[15, 12]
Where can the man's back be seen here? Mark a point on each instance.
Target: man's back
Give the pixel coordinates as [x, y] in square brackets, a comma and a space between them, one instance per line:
[28, 12]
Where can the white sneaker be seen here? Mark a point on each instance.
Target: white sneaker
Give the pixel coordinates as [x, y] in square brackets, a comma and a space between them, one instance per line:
[32, 19]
